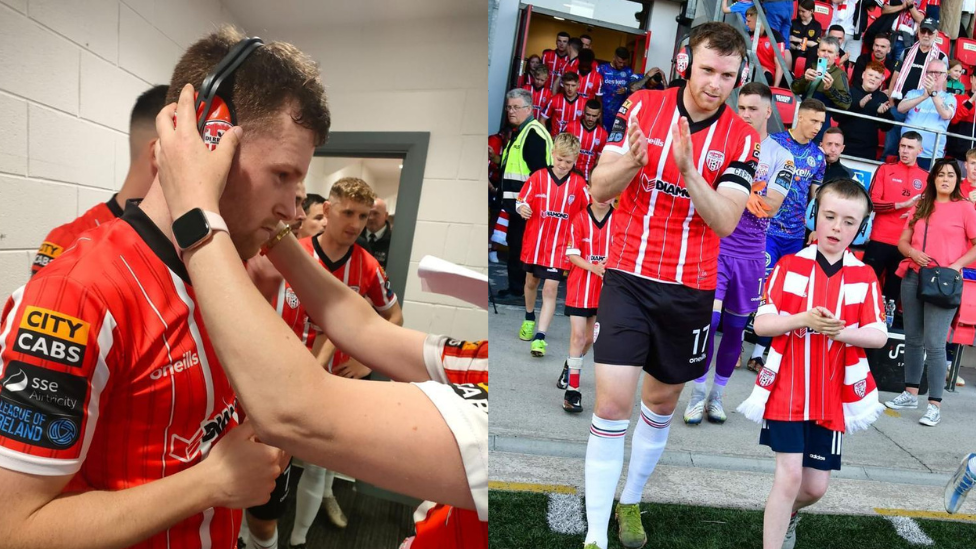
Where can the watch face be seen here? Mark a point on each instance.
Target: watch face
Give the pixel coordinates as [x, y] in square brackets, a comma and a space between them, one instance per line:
[191, 228]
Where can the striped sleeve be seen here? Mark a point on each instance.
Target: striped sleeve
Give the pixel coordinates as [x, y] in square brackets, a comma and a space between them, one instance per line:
[741, 171]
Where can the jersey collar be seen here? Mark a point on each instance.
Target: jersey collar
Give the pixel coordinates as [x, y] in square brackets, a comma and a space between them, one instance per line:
[113, 206]
[556, 179]
[702, 124]
[332, 266]
[162, 246]
[598, 222]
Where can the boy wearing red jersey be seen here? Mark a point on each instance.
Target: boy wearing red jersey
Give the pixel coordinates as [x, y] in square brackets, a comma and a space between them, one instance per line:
[587, 249]
[548, 202]
[823, 307]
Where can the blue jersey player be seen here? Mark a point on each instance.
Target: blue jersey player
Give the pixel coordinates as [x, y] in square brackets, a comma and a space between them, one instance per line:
[617, 77]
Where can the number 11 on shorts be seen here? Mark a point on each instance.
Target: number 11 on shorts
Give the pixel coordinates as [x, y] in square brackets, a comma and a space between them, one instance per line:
[700, 334]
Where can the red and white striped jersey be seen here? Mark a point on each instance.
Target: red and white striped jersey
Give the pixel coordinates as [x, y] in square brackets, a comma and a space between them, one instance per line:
[109, 375]
[359, 270]
[554, 203]
[556, 64]
[287, 304]
[540, 100]
[61, 238]
[658, 234]
[589, 239]
[591, 145]
[562, 111]
[812, 368]
[590, 85]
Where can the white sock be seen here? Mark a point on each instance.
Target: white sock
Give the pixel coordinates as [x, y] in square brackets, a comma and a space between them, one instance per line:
[972, 465]
[698, 391]
[308, 500]
[255, 543]
[329, 481]
[758, 351]
[646, 446]
[604, 462]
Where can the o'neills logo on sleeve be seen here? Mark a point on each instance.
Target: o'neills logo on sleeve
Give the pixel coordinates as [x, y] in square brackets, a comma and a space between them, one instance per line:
[47, 253]
[54, 336]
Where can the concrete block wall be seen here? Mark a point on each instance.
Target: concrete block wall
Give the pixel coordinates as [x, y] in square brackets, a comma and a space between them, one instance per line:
[69, 75]
[422, 76]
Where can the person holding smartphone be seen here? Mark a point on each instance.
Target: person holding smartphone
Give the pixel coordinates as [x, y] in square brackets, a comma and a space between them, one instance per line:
[826, 81]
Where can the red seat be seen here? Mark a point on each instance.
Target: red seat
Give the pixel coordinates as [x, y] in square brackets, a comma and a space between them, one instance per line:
[964, 325]
[786, 104]
[796, 4]
[942, 40]
[800, 67]
[823, 12]
[966, 51]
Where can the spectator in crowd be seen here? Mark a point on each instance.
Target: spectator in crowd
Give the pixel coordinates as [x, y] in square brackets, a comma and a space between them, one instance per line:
[954, 83]
[739, 7]
[587, 41]
[806, 30]
[901, 19]
[963, 123]
[941, 231]
[880, 51]
[565, 107]
[541, 94]
[617, 75]
[528, 150]
[530, 65]
[377, 235]
[837, 32]
[969, 183]
[778, 14]
[861, 134]
[895, 189]
[966, 26]
[833, 146]
[845, 12]
[556, 60]
[910, 74]
[766, 51]
[930, 107]
[591, 83]
[831, 87]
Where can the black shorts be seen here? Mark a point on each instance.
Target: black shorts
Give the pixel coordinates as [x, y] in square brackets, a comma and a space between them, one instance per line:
[545, 273]
[660, 327]
[821, 447]
[580, 311]
[277, 505]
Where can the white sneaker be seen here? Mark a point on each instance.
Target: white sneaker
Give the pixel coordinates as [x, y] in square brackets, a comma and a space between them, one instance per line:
[932, 417]
[716, 413]
[960, 485]
[334, 512]
[790, 540]
[904, 401]
[695, 412]
[492, 257]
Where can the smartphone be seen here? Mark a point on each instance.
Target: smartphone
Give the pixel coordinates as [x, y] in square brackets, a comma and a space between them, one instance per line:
[821, 66]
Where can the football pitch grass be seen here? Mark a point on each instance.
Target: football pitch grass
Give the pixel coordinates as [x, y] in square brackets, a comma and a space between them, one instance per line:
[522, 520]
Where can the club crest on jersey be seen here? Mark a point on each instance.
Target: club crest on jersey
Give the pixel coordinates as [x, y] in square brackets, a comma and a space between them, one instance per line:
[766, 377]
[714, 159]
[917, 184]
[860, 388]
[812, 162]
[571, 198]
[291, 298]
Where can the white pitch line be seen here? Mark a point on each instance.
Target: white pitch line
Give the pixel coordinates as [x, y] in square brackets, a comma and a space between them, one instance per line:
[565, 514]
[908, 529]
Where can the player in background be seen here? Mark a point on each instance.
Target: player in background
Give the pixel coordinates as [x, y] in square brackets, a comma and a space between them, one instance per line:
[315, 221]
[741, 267]
[142, 138]
[786, 232]
[565, 107]
[591, 135]
[556, 60]
[684, 163]
[347, 209]
[587, 249]
[960, 484]
[617, 76]
[823, 307]
[591, 82]
[541, 94]
[548, 202]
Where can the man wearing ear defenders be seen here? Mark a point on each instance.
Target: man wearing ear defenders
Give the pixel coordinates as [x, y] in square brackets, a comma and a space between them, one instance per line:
[118, 424]
[142, 138]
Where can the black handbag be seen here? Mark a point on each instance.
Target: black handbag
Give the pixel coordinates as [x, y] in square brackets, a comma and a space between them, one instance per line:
[939, 286]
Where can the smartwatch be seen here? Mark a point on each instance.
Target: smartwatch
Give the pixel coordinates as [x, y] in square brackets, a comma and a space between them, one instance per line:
[195, 227]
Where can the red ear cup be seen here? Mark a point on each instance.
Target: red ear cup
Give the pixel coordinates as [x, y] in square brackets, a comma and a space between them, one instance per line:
[217, 121]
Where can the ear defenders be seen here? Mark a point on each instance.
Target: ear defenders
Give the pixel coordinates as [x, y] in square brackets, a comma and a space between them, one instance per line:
[685, 57]
[863, 232]
[214, 105]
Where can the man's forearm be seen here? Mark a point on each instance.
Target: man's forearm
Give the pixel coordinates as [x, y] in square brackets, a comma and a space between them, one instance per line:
[611, 176]
[347, 319]
[909, 104]
[718, 212]
[106, 520]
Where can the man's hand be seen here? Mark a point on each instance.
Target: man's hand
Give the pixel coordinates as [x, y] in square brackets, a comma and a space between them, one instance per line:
[524, 210]
[351, 369]
[811, 238]
[883, 108]
[972, 196]
[599, 269]
[638, 144]
[908, 203]
[242, 469]
[681, 147]
[823, 322]
[928, 84]
[810, 75]
[756, 205]
[828, 80]
[621, 90]
[190, 174]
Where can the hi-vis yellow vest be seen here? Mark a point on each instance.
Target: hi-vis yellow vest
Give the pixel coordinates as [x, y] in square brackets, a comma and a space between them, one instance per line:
[516, 170]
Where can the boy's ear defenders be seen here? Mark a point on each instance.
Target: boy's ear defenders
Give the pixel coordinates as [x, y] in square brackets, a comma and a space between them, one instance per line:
[863, 232]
